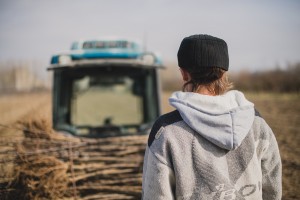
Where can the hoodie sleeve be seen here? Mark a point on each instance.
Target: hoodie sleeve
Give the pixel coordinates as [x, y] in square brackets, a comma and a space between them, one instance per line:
[271, 170]
[158, 178]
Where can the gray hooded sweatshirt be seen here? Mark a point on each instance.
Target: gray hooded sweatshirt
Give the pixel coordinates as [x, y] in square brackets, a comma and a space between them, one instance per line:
[211, 147]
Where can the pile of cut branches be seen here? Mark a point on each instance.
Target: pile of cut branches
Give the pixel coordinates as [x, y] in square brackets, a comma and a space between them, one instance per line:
[43, 164]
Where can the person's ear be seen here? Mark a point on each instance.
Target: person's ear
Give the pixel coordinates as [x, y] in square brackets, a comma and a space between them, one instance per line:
[185, 74]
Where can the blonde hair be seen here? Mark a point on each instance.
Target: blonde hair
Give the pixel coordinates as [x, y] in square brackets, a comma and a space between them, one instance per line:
[214, 79]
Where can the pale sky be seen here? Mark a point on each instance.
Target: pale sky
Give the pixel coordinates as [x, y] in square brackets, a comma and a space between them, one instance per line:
[260, 34]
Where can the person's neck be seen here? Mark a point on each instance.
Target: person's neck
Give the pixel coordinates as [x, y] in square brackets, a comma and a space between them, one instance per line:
[205, 91]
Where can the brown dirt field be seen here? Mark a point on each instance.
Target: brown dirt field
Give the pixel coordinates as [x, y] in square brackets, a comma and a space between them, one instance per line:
[15, 108]
[281, 111]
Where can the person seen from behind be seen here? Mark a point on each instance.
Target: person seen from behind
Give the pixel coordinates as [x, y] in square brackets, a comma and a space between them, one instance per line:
[215, 145]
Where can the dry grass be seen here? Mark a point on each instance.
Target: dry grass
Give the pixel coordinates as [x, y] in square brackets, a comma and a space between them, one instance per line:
[281, 111]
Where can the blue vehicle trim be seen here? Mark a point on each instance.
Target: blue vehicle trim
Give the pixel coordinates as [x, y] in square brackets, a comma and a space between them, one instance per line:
[77, 53]
[54, 59]
[91, 55]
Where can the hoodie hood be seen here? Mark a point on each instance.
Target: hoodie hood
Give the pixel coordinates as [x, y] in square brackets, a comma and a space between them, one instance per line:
[224, 120]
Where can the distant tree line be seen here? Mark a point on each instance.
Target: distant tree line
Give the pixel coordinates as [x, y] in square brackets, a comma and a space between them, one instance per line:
[276, 80]
[20, 76]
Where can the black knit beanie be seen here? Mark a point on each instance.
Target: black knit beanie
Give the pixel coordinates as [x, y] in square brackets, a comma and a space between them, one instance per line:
[202, 51]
